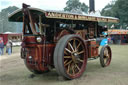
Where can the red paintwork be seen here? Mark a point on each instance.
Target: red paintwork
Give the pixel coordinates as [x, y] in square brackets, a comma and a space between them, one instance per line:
[60, 34]
[42, 53]
[92, 49]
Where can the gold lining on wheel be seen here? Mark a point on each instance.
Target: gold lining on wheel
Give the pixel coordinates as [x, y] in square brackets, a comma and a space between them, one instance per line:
[73, 56]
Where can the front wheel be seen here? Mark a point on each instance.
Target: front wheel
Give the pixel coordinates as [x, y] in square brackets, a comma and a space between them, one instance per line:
[105, 56]
[70, 56]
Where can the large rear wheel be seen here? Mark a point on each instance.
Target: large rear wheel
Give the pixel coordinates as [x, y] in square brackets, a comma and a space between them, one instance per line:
[70, 56]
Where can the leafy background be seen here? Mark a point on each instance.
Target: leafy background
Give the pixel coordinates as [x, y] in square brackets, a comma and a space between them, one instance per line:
[117, 8]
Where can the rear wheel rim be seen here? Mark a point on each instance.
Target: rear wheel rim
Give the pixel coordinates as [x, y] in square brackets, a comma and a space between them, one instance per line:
[74, 57]
[70, 56]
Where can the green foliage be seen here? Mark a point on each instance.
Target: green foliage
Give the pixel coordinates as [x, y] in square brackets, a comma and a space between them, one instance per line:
[76, 5]
[106, 11]
[84, 7]
[119, 9]
[5, 25]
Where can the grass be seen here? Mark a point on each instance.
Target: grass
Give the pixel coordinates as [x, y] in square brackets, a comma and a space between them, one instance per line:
[115, 74]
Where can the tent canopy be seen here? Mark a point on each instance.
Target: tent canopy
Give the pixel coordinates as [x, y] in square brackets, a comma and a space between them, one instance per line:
[17, 16]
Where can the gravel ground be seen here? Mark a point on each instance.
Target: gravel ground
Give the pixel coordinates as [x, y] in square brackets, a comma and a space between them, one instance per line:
[14, 72]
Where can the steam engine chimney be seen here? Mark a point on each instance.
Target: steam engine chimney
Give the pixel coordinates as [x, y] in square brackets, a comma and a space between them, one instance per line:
[91, 6]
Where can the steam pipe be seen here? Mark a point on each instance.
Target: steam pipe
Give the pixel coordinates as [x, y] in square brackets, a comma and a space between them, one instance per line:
[91, 6]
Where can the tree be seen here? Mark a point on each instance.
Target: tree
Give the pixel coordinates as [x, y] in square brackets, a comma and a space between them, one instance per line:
[107, 10]
[76, 6]
[121, 11]
[118, 9]
[5, 25]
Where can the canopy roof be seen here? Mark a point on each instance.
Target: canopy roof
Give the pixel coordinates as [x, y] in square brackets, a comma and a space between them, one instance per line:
[117, 31]
[17, 16]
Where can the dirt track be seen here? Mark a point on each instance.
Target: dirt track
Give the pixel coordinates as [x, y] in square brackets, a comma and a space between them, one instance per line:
[14, 72]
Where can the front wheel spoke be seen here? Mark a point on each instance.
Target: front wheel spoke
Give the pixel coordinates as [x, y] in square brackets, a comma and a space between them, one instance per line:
[67, 57]
[81, 52]
[68, 63]
[106, 52]
[105, 60]
[108, 56]
[68, 50]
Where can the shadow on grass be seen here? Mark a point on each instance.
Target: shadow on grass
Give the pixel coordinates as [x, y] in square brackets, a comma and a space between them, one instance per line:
[92, 66]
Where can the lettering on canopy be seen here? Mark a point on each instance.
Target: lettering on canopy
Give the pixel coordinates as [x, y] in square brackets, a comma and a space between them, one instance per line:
[78, 17]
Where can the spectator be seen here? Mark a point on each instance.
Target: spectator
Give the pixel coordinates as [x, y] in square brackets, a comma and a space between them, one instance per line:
[1, 47]
[105, 40]
[9, 47]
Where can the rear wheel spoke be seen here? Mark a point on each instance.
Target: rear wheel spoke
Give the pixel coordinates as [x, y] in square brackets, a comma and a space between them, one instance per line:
[68, 70]
[67, 57]
[73, 71]
[77, 67]
[81, 52]
[68, 50]
[74, 44]
[65, 52]
[67, 63]
[71, 46]
[78, 45]
[80, 60]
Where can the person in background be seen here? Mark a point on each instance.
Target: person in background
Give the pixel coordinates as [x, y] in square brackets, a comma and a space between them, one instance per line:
[1, 46]
[105, 40]
[9, 47]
